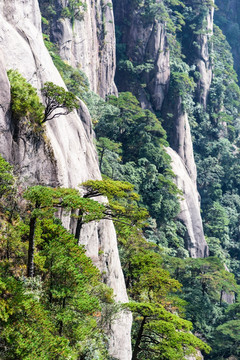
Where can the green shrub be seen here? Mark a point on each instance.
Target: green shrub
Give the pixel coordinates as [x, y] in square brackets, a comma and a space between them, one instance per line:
[74, 11]
[24, 99]
[6, 177]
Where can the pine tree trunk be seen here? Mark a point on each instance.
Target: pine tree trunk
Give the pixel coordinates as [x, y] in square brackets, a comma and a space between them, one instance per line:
[30, 268]
[79, 225]
[138, 340]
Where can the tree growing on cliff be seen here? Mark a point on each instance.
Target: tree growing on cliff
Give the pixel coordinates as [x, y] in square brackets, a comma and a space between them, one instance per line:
[25, 101]
[74, 10]
[61, 312]
[57, 98]
[44, 201]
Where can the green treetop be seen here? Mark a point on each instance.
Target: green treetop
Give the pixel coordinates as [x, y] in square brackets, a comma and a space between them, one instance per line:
[57, 98]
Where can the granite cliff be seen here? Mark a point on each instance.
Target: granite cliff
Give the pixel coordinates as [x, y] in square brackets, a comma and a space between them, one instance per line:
[66, 155]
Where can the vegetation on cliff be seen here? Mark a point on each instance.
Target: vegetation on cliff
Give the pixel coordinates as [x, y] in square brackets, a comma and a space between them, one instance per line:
[53, 304]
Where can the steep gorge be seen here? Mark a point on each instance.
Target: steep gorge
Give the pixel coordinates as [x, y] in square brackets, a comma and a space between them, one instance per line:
[149, 45]
[147, 69]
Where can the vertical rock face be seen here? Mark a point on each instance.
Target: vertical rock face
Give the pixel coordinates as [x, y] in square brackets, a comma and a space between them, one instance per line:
[196, 46]
[5, 98]
[180, 136]
[190, 209]
[68, 157]
[184, 167]
[146, 43]
[89, 43]
[101, 238]
[203, 63]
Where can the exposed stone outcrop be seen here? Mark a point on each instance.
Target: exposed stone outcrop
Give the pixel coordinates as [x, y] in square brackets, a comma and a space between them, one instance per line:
[89, 44]
[184, 167]
[180, 138]
[74, 156]
[190, 209]
[196, 46]
[5, 98]
[101, 246]
[203, 62]
[198, 356]
[147, 44]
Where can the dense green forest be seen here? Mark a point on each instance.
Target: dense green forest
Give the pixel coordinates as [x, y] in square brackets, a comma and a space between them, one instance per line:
[50, 292]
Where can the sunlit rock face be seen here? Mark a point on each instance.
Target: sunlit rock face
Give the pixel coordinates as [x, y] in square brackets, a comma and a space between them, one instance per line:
[67, 157]
[89, 43]
[202, 59]
[5, 99]
[190, 210]
[197, 357]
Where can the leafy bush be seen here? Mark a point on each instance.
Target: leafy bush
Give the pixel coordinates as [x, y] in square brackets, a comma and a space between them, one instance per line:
[6, 177]
[74, 10]
[24, 99]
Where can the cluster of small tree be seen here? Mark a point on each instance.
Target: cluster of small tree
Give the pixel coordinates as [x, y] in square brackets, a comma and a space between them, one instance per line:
[52, 299]
[131, 148]
[70, 9]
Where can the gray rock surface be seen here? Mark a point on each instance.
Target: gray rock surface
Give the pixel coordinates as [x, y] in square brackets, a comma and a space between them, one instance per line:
[147, 43]
[198, 356]
[180, 138]
[90, 44]
[190, 209]
[197, 48]
[99, 238]
[153, 47]
[72, 157]
[203, 62]
[5, 126]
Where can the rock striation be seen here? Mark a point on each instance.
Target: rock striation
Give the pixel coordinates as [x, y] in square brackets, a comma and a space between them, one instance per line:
[67, 157]
[147, 44]
[190, 209]
[200, 48]
[89, 43]
[5, 125]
